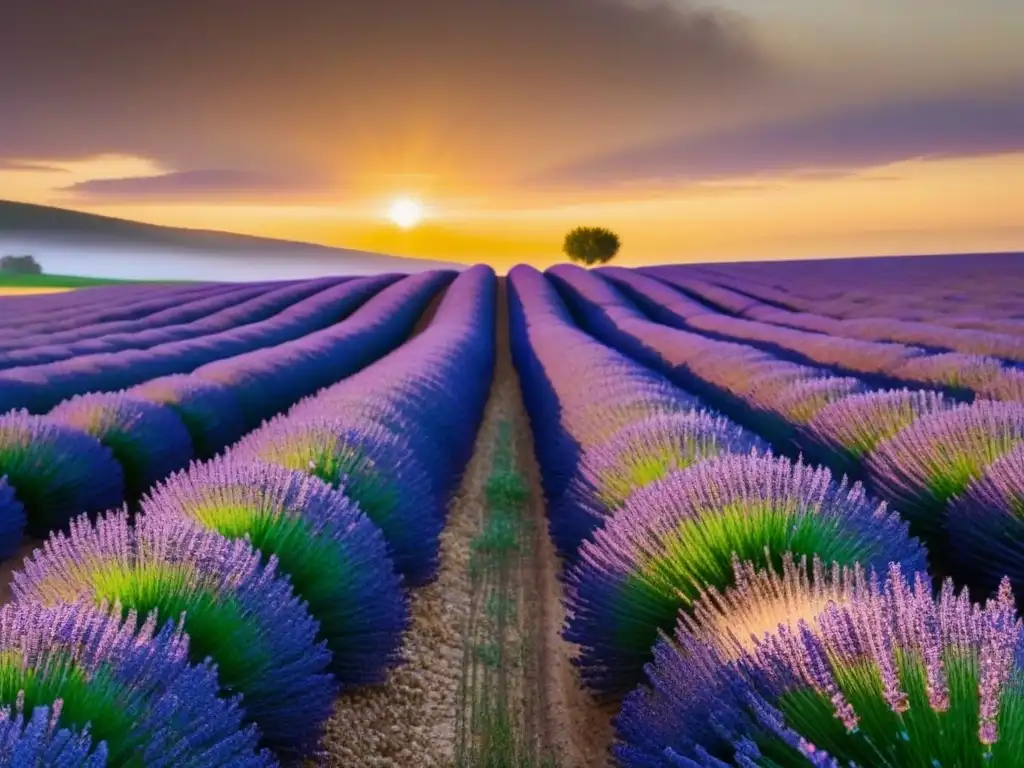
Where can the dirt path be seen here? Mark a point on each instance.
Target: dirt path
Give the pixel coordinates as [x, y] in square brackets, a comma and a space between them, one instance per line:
[415, 719]
[570, 725]
[411, 720]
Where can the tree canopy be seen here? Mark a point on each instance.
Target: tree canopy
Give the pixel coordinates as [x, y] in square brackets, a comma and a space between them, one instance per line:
[591, 245]
[20, 265]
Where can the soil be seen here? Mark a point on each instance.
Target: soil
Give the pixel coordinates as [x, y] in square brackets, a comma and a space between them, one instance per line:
[571, 725]
[12, 564]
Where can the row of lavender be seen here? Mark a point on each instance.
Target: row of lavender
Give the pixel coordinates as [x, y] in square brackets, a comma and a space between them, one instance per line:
[918, 450]
[26, 316]
[882, 363]
[975, 299]
[226, 308]
[1004, 343]
[683, 522]
[282, 557]
[97, 451]
[979, 326]
[945, 290]
[39, 388]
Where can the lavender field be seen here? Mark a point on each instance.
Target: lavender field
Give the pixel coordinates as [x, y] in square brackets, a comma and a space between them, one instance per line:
[704, 515]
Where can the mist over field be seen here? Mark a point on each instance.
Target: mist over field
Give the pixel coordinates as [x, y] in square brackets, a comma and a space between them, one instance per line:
[145, 261]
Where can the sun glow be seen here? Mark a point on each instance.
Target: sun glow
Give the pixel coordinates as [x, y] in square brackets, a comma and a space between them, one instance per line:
[405, 212]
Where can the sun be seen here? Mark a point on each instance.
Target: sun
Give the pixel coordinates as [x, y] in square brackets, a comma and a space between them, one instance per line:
[405, 212]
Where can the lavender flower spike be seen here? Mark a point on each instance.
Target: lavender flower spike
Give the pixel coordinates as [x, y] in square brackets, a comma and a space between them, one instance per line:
[925, 465]
[37, 742]
[335, 557]
[115, 689]
[57, 472]
[237, 611]
[375, 469]
[890, 676]
[147, 439]
[678, 537]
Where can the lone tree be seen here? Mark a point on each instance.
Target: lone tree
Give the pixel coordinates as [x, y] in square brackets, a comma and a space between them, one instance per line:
[591, 245]
[20, 265]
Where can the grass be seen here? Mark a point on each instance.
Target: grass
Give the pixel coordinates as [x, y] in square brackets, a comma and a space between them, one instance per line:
[9, 280]
[490, 734]
[53, 283]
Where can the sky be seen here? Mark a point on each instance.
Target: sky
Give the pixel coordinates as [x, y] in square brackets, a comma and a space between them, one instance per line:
[726, 130]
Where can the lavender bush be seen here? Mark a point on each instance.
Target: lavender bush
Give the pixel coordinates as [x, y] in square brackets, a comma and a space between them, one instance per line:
[236, 609]
[148, 440]
[374, 469]
[679, 536]
[334, 556]
[637, 455]
[210, 411]
[57, 472]
[845, 432]
[892, 677]
[112, 689]
[926, 464]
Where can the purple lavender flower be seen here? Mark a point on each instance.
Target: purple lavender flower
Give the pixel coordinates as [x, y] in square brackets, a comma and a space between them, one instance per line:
[679, 536]
[334, 556]
[1008, 385]
[963, 373]
[750, 373]
[890, 676]
[926, 464]
[210, 411]
[103, 678]
[846, 431]
[56, 471]
[237, 611]
[723, 627]
[147, 439]
[985, 525]
[37, 742]
[801, 401]
[373, 469]
[637, 455]
[761, 600]
[375, 409]
[12, 520]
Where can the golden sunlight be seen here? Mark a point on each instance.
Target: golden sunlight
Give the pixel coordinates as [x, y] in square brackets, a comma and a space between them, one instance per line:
[405, 212]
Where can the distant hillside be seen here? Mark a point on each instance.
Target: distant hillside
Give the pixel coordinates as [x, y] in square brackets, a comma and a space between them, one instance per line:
[27, 222]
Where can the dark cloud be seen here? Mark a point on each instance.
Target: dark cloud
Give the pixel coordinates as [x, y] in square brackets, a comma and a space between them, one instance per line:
[818, 147]
[198, 184]
[345, 86]
[7, 164]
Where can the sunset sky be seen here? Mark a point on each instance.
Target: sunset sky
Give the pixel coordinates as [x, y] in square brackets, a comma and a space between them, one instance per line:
[731, 129]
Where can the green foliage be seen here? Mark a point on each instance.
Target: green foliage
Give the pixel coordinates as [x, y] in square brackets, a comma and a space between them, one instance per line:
[95, 700]
[20, 265]
[216, 624]
[591, 245]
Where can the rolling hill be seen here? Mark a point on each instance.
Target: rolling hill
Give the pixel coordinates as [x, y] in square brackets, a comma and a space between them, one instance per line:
[57, 235]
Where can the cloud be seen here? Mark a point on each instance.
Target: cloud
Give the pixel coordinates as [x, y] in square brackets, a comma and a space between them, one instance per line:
[10, 164]
[820, 146]
[351, 87]
[196, 184]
